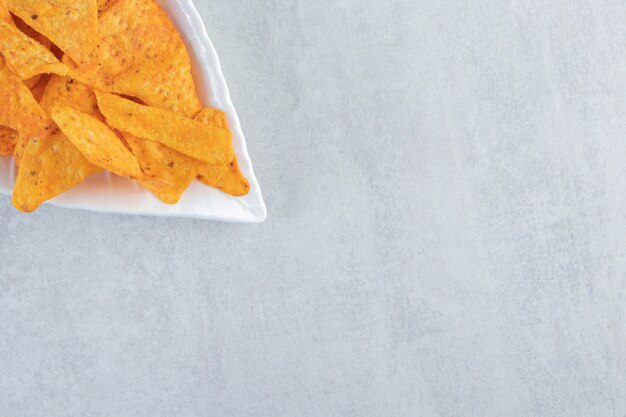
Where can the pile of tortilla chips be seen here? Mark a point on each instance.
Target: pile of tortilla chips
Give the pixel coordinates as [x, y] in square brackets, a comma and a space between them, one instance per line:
[94, 85]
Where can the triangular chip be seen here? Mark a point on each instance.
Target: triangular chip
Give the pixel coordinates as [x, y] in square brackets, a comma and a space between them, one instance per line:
[18, 108]
[65, 91]
[70, 24]
[143, 56]
[99, 144]
[233, 182]
[230, 179]
[8, 139]
[175, 170]
[50, 166]
[197, 140]
[25, 56]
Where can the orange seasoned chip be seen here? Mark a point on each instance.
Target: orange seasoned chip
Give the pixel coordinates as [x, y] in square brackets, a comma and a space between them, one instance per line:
[50, 166]
[25, 56]
[211, 174]
[8, 139]
[71, 25]
[207, 173]
[18, 108]
[143, 56]
[232, 181]
[198, 140]
[65, 91]
[175, 170]
[100, 145]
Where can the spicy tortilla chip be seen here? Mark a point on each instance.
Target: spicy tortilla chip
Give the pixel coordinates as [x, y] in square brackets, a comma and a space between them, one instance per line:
[233, 182]
[25, 56]
[207, 173]
[18, 108]
[71, 25]
[65, 91]
[175, 170]
[210, 174]
[142, 55]
[230, 179]
[198, 140]
[100, 145]
[8, 139]
[50, 166]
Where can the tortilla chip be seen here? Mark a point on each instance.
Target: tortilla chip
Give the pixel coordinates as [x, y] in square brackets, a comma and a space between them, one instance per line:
[18, 108]
[100, 145]
[178, 170]
[71, 25]
[229, 179]
[198, 140]
[5, 15]
[143, 56]
[65, 91]
[175, 170]
[24, 56]
[50, 166]
[207, 173]
[233, 182]
[8, 139]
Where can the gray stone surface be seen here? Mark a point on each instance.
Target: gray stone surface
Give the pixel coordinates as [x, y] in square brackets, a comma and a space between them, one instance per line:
[446, 184]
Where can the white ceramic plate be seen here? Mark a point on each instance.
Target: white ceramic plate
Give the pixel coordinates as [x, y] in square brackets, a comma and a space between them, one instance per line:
[109, 193]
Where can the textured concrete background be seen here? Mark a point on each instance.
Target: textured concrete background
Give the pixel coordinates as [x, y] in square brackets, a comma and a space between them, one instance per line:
[446, 185]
